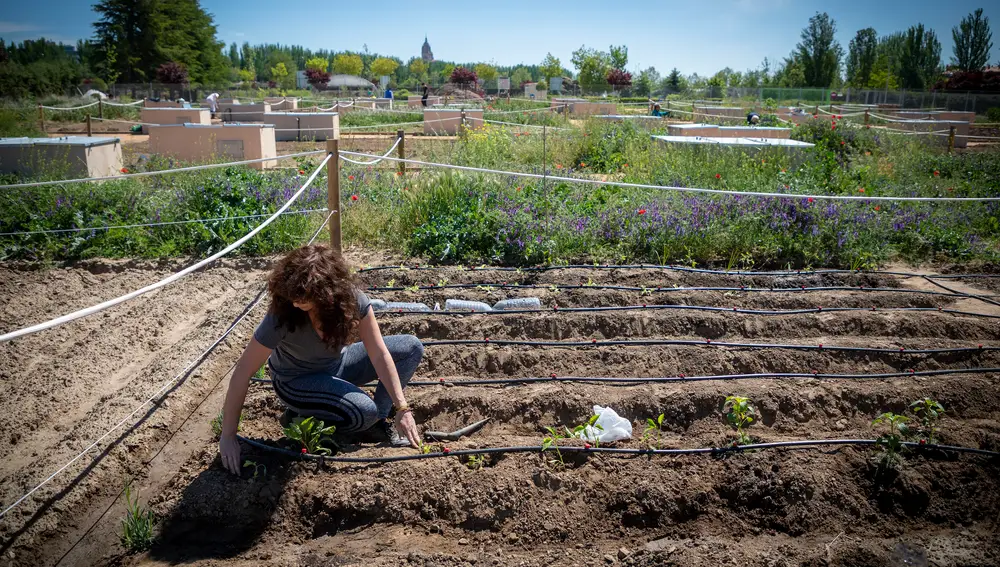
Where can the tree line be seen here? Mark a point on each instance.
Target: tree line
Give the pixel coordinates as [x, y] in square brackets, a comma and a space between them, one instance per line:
[175, 41]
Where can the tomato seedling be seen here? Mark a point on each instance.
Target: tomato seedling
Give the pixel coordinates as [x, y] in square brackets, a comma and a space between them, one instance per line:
[651, 426]
[891, 441]
[929, 411]
[740, 415]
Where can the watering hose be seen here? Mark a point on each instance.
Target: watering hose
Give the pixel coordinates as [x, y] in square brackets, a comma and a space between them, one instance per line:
[609, 450]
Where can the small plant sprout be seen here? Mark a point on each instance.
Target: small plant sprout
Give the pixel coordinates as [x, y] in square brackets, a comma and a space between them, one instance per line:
[590, 282]
[651, 426]
[310, 433]
[413, 288]
[137, 526]
[554, 288]
[391, 283]
[646, 291]
[891, 441]
[475, 462]
[929, 411]
[486, 288]
[551, 441]
[258, 469]
[740, 414]
[442, 282]
[580, 431]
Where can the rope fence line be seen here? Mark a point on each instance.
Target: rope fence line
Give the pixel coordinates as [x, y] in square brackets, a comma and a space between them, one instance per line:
[597, 182]
[608, 450]
[155, 224]
[159, 172]
[162, 390]
[373, 162]
[67, 108]
[170, 279]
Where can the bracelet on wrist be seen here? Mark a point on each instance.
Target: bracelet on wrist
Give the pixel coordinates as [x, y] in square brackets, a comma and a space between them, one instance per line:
[403, 409]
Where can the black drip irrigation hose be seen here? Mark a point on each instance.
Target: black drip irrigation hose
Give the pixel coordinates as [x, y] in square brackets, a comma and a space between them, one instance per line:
[708, 343]
[607, 450]
[684, 378]
[776, 312]
[800, 289]
[676, 269]
[982, 298]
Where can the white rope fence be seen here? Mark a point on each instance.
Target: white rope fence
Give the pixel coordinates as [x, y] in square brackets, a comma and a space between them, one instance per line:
[136, 103]
[68, 107]
[170, 279]
[586, 181]
[156, 395]
[373, 162]
[153, 224]
[159, 172]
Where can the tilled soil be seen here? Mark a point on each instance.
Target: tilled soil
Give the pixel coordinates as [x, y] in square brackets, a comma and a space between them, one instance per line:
[825, 506]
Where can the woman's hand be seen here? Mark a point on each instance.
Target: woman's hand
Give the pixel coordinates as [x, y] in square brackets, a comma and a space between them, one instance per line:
[406, 427]
[229, 449]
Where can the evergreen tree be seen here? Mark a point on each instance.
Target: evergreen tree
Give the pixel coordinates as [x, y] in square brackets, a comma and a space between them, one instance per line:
[861, 53]
[973, 42]
[674, 80]
[920, 60]
[234, 55]
[819, 53]
[126, 30]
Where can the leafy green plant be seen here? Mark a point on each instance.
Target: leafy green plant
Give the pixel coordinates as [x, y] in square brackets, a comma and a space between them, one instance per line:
[740, 414]
[551, 441]
[137, 527]
[929, 411]
[258, 468]
[475, 462]
[580, 431]
[653, 426]
[891, 440]
[310, 433]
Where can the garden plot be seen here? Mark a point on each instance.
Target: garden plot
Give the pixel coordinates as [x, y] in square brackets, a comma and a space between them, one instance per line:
[780, 505]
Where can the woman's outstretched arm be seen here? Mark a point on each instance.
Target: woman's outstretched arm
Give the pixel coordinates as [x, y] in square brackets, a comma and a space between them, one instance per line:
[254, 356]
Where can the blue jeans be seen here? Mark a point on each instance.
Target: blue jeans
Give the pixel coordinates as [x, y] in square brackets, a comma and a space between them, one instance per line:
[337, 399]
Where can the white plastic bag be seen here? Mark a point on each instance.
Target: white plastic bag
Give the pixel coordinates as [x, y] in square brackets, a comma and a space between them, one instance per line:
[613, 427]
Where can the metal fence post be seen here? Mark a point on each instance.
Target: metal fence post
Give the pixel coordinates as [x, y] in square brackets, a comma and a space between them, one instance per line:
[333, 192]
[100, 108]
[41, 118]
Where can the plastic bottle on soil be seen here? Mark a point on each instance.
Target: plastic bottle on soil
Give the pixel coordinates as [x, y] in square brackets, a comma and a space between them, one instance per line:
[519, 303]
[462, 305]
[378, 304]
[404, 306]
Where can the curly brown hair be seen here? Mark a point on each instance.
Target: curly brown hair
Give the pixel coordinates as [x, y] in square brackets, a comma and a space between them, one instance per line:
[319, 275]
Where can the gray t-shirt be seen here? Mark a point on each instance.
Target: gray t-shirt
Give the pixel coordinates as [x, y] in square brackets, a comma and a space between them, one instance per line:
[301, 352]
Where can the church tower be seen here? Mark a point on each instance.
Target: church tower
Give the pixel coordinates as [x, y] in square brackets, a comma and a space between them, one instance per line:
[425, 52]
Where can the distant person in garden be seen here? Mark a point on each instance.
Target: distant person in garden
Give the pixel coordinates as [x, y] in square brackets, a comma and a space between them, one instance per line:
[316, 311]
[388, 93]
[213, 103]
[657, 111]
[753, 118]
[426, 93]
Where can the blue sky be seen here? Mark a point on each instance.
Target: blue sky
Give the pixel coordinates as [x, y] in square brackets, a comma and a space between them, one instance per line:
[692, 36]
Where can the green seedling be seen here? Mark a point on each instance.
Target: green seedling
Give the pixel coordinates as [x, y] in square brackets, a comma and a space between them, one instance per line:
[391, 283]
[137, 526]
[929, 411]
[554, 288]
[653, 425]
[475, 462]
[740, 414]
[551, 441]
[646, 291]
[442, 282]
[413, 288]
[217, 424]
[580, 430]
[891, 442]
[258, 469]
[310, 433]
[590, 282]
[486, 288]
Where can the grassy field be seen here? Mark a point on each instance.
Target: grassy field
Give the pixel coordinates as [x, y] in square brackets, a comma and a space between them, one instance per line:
[461, 217]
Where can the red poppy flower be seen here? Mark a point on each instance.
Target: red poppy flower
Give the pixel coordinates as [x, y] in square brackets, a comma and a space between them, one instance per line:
[841, 142]
[124, 170]
[936, 173]
[861, 189]
[583, 164]
[868, 126]
[810, 199]
[302, 172]
[786, 186]
[626, 165]
[305, 451]
[350, 177]
[518, 188]
[354, 197]
[782, 171]
[833, 127]
[877, 208]
[642, 211]
[718, 176]
[558, 166]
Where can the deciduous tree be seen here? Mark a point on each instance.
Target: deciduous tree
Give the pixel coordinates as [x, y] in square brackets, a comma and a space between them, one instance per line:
[973, 42]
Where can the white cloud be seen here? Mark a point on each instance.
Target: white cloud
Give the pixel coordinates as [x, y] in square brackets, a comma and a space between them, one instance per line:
[15, 27]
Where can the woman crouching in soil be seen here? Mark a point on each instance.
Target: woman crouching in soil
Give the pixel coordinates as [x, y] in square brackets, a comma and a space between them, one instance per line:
[315, 310]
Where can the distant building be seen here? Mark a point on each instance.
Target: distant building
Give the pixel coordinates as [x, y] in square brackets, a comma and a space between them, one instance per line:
[425, 52]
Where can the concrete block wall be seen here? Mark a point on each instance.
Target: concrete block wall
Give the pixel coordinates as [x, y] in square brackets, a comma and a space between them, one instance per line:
[229, 142]
[304, 126]
[280, 104]
[448, 120]
[81, 156]
[235, 112]
[693, 130]
[941, 126]
[174, 116]
[755, 132]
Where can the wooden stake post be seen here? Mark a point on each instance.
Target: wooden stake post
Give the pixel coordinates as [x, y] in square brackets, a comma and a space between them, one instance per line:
[41, 118]
[333, 192]
[402, 151]
[951, 139]
[90, 128]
